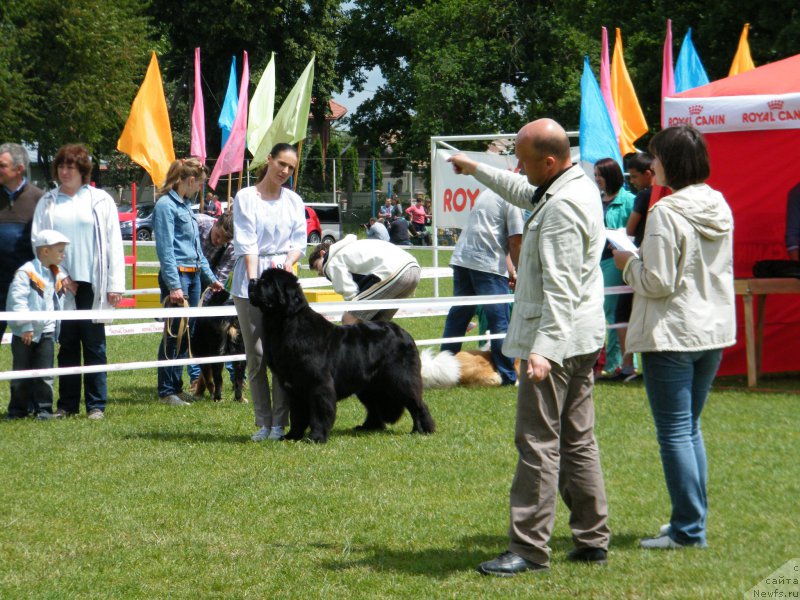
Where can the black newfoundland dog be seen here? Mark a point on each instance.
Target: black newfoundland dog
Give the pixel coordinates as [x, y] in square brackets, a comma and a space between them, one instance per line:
[319, 363]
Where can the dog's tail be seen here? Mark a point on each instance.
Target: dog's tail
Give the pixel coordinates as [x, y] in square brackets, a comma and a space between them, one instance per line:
[440, 371]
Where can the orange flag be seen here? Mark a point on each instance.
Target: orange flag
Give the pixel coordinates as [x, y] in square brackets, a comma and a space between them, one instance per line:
[742, 61]
[631, 118]
[147, 137]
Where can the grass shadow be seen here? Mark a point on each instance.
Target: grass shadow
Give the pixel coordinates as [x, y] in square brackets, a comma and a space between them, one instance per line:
[437, 563]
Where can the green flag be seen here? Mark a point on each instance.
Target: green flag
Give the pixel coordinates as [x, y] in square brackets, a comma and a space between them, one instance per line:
[291, 122]
[262, 107]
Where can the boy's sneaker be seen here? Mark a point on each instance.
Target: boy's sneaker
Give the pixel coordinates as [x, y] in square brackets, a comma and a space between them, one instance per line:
[62, 414]
[96, 414]
[633, 377]
[45, 416]
[172, 400]
[260, 435]
[187, 397]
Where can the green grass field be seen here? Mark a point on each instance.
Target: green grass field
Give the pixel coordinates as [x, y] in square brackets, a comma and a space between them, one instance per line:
[177, 502]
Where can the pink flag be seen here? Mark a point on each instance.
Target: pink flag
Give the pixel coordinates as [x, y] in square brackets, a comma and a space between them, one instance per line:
[198, 147]
[231, 158]
[667, 70]
[605, 83]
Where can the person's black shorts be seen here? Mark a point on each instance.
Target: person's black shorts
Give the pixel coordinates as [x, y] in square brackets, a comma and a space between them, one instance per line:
[622, 314]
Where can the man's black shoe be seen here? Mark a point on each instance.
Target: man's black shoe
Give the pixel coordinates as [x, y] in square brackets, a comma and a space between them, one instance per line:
[595, 556]
[508, 564]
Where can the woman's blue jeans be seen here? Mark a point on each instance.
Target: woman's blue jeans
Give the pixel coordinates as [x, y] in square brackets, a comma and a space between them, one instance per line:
[677, 386]
[169, 378]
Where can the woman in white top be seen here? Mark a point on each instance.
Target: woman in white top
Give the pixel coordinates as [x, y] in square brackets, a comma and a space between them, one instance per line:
[95, 264]
[269, 226]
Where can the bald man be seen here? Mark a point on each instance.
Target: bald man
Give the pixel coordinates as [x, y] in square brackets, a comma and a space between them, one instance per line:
[557, 329]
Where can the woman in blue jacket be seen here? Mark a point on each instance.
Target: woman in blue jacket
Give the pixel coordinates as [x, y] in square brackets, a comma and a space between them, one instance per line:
[184, 267]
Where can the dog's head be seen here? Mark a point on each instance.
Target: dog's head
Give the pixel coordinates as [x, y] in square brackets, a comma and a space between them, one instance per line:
[278, 290]
[216, 298]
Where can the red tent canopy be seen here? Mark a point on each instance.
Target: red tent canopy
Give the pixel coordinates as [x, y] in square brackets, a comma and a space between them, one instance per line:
[752, 126]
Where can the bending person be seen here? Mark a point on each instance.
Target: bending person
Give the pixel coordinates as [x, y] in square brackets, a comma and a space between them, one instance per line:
[269, 231]
[367, 270]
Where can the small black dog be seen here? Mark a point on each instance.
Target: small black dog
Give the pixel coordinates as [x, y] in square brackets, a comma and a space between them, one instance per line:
[319, 363]
[218, 336]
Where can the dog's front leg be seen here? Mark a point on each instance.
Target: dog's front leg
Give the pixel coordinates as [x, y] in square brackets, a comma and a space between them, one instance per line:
[323, 412]
[298, 417]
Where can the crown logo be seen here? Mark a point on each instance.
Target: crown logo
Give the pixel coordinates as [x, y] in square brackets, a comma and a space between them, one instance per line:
[775, 104]
[695, 109]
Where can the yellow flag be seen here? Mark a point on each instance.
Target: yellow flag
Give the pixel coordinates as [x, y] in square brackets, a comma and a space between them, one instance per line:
[632, 125]
[742, 61]
[147, 137]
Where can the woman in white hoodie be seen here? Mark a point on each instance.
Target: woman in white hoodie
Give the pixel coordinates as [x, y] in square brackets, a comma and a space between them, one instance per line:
[95, 264]
[683, 315]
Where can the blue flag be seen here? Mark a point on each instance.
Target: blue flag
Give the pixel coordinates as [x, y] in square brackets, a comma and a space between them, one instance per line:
[689, 71]
[229, 105]
[597, 136]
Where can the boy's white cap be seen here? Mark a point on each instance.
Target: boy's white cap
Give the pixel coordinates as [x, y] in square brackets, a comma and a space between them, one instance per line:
[49, 237]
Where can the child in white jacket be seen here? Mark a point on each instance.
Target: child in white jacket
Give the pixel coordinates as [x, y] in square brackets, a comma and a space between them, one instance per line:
[38, 285]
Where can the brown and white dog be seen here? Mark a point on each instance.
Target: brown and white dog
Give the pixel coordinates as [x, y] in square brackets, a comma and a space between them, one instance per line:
[470, 367]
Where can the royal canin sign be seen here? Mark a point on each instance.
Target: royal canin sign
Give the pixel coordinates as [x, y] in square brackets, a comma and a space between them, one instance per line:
[734, 113]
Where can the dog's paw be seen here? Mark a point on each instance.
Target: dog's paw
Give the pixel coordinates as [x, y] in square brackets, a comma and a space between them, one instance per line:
[319, 437]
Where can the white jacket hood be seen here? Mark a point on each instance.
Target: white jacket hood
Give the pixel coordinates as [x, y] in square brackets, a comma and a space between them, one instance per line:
[703, 207]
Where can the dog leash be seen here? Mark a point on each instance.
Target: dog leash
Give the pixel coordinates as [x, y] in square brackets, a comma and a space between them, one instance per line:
[183, 331]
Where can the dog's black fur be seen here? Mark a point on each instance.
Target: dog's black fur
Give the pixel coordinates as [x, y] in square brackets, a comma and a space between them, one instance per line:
[319, 363]
[218, 336]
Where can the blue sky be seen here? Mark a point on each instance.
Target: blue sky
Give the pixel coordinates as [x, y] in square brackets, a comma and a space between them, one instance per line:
[374, 80]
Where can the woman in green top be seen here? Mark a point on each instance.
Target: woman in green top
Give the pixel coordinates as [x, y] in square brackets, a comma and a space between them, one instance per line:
[617, 207]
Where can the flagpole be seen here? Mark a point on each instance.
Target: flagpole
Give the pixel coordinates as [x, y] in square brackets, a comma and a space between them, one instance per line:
[229, 188]
[297, 171]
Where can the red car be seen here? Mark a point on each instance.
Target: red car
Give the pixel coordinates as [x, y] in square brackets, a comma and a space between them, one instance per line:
[313, 228]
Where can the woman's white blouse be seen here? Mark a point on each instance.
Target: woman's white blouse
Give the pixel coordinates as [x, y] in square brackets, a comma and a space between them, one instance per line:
[269, 229]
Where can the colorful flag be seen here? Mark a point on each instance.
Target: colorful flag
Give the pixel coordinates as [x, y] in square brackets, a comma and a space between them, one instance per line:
[597, 137]
[605, 82]
[231, 159]
[689, 71]
[198, 146]
[742, 62]
[667, 71]
[147, 136]
[228, 112]
[262, 107]
[631, 119]
[291, 122]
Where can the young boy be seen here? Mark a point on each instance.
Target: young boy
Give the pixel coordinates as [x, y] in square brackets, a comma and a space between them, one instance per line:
[38, 285]
[640, 169]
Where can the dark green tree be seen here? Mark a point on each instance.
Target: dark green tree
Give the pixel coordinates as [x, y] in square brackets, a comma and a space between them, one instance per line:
[334, 154]
[76, 65]
[351, 180]
[480, 66]
[312, 174]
